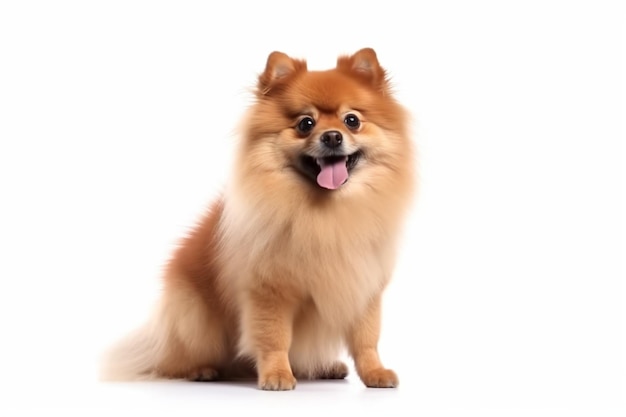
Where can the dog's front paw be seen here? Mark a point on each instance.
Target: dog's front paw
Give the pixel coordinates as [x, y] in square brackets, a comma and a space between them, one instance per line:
[380, 378]
[277, 381]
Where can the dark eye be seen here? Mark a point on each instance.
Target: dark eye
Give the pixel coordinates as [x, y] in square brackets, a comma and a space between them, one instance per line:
[352, 121]
[306, 125]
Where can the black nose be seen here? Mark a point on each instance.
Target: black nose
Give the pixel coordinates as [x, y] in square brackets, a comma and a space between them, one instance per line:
[331, 138]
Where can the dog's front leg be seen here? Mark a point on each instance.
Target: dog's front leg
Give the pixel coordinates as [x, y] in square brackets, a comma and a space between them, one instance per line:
[268, 320]
[362, 343]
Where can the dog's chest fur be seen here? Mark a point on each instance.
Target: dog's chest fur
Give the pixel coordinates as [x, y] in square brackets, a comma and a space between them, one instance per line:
[328, 257]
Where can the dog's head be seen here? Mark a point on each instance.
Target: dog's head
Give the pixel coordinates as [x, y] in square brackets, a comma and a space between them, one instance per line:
[328, 129]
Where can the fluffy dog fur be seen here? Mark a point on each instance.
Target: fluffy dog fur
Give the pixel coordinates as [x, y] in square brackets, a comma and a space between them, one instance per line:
[282, 274]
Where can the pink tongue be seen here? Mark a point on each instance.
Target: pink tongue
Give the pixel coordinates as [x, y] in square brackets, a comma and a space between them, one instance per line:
[332, 174]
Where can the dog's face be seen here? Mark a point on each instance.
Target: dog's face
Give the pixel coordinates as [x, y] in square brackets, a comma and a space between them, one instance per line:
[331, 128]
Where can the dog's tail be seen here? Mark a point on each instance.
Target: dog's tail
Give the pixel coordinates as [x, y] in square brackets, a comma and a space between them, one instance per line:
[135, 357]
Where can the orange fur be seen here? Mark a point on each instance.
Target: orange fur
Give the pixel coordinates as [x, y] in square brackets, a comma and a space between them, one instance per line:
[282, 274]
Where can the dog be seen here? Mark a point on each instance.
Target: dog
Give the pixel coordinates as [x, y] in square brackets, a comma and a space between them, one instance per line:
[287, 269]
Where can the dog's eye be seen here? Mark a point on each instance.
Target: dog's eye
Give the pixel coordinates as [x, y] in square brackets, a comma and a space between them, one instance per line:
[352, 121]
[306, 125]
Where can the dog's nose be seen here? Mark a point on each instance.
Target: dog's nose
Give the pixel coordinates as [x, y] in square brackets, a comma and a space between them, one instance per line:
[331, 138]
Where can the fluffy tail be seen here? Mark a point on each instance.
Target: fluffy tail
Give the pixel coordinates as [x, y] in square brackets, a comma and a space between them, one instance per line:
[135, 357]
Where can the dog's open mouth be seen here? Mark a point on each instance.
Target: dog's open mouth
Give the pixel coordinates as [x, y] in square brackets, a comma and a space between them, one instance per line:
[329, 172]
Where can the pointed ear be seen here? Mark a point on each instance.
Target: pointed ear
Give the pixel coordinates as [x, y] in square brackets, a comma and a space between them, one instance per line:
[364, 65]
[279, 68]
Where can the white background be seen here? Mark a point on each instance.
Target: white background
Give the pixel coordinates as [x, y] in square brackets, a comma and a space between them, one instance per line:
[116, 126]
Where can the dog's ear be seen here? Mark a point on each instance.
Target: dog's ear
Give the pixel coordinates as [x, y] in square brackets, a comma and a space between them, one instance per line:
[279, 69]
[364, 65]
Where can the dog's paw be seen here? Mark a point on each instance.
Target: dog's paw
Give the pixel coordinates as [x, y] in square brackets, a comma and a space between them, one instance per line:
[203, 374]
[277, 381]
[380, 378]
[338, 370]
